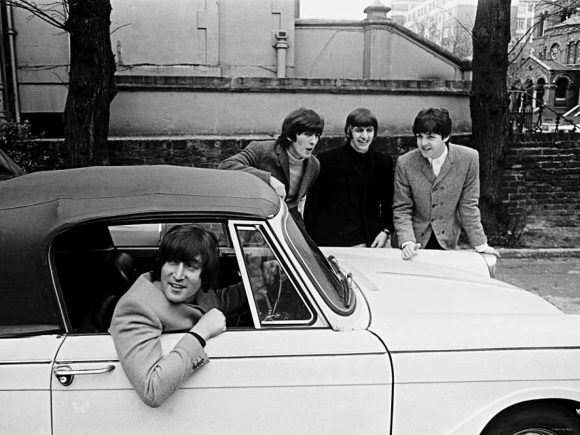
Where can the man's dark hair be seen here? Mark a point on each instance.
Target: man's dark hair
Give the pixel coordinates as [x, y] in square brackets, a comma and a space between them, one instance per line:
[183, 243]
[361, 117]
[433, 120]
[299, 121]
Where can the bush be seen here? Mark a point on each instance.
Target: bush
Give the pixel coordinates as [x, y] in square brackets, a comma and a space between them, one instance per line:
[25, 150]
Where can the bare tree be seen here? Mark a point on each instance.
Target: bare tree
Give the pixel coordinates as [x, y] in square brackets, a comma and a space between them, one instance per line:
[91, 78]
[458, 41]
[548, 13]
[489, 106]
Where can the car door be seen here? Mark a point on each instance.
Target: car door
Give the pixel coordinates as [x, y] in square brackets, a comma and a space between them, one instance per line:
[29, 341]
[289, 373]
[25, 378]
[258, 381]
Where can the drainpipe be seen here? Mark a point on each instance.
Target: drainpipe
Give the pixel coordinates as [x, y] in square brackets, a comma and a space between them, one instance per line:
[281, 46]
[11, 42]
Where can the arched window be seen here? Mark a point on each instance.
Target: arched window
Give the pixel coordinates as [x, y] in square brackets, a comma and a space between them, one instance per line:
[528, 92]
[540, 27]
[560, 94]
[540, 90]
[570, 52]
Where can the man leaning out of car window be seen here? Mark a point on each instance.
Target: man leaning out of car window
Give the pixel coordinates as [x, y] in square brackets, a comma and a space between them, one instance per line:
[169, 299]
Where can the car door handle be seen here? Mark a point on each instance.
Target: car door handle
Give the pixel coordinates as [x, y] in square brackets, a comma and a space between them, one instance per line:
[67, 371]
[65, 374]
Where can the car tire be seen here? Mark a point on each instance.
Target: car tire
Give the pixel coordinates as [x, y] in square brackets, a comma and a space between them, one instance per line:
[534, 419]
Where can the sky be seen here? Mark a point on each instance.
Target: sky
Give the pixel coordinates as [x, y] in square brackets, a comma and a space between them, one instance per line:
[335, 9]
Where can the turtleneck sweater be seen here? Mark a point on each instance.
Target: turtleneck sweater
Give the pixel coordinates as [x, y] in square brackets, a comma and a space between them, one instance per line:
[296, 167]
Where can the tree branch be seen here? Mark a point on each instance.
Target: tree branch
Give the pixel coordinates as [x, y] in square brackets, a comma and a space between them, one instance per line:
[54, 14]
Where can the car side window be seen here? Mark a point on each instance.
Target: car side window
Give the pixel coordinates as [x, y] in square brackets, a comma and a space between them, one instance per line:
[113, 256]
[278, 301]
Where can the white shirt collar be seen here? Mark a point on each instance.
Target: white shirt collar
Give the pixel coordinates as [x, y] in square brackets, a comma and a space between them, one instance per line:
[441, 159]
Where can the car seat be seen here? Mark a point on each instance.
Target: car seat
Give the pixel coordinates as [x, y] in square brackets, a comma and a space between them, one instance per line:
[120, 275]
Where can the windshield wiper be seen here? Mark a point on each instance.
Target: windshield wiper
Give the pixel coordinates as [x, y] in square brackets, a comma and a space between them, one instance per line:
[345, 281]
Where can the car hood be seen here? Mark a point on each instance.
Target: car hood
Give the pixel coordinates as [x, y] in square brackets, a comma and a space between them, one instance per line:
[420, 305]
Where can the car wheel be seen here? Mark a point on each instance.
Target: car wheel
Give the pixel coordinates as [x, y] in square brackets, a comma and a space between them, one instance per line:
[534, 419]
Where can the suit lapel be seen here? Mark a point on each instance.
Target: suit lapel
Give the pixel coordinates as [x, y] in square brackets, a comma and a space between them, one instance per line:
[306, 178]
[426, 169]
[284, 163]
[447, 164]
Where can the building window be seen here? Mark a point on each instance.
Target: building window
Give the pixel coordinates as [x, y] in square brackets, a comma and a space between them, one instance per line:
[570, 52]
[560, 94]
[540, 91]
[540, 28]
[555, 52]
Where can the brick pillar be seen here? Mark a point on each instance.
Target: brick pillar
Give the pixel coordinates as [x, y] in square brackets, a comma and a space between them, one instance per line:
[377, 41]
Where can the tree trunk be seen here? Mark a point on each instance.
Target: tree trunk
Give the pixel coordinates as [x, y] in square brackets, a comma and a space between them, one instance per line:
[91, 83]
[489, 107]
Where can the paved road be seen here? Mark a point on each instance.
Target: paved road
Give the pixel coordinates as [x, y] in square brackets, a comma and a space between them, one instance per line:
[555, 279]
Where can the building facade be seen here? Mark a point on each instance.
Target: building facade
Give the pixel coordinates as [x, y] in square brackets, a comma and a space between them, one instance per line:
[192, 67]
[550, 75]
[449, 22]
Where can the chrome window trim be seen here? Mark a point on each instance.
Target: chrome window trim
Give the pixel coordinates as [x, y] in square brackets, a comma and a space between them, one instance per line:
[56, 290]
[244, 272]
[287, 265]
[29, 362]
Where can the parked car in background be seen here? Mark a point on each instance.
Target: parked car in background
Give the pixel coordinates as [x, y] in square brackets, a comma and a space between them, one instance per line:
[331, 340]
[8, 168]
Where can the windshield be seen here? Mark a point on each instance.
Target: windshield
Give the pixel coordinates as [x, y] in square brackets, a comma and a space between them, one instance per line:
[330, 281]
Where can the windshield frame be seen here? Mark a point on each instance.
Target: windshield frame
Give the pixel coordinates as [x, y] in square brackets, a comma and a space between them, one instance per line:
[327, 282]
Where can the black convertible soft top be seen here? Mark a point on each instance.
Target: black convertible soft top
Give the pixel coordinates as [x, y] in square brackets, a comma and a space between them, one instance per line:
[36, 207]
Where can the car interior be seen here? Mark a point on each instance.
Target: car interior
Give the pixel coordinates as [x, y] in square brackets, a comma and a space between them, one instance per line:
[97, 263]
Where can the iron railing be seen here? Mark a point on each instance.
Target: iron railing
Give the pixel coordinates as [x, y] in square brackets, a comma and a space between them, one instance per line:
[522, 120]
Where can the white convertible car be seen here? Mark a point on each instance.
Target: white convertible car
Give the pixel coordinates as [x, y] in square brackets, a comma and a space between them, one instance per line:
[353, 341]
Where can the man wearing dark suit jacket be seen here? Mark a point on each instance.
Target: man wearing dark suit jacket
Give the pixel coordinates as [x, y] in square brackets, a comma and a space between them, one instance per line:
[437, 190]
[286, 164]
[350, 203]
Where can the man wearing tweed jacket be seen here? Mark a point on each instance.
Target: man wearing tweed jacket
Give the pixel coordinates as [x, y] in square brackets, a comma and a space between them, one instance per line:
[437, 190]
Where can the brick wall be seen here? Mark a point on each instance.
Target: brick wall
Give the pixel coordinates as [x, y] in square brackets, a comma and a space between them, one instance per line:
[542, 187]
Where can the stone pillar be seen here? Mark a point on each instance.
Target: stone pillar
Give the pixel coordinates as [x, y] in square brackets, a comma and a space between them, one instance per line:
[571, 95]
[377, 41]
[549, 92]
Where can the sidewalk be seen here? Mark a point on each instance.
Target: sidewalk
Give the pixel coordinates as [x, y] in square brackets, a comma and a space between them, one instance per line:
[553, 274]
[539, 252]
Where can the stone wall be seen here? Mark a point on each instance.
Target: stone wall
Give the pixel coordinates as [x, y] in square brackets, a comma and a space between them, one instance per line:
[242, 106]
